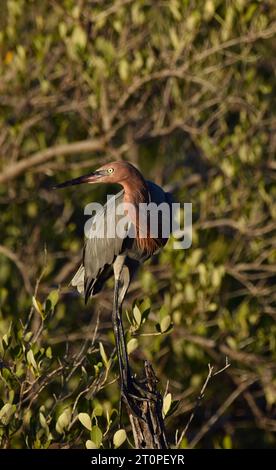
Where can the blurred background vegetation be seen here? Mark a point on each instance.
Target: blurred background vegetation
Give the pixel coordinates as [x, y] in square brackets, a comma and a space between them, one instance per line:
[183, 89]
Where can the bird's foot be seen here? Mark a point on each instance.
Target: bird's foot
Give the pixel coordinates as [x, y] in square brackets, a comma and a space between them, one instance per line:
[134, 394]
[140, 390]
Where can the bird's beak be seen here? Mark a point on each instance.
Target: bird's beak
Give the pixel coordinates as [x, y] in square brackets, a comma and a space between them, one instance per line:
[90, 178]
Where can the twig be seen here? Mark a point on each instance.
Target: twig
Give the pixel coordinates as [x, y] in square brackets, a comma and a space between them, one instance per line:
[206, 427]
[211, 374]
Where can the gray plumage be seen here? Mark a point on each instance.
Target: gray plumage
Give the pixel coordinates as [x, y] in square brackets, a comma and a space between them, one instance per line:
[99, 253]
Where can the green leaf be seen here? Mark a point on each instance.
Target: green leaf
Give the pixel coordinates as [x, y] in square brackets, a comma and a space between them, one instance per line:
[43, 422]
[5, 340]
[167, 401]
[104, 356]
[119, 438]
[96, 435]
[53, 298]
[38, 307]
[132, 345]
[49, 352]
[90, 445]
[175, 9]
[63, 421]
[97, 368]
[105, 47]
[165, 323]
[28, 336]
[227, 442]
[6, 413]
[137, 315]
[203, 275]
[79, 38]
[85, 420]
[217, 276]
[209, 9]
[123, 69]
[189, 293]
[30, 359]
[184, 443]
[137, 14]
[62, 29]
[98, 410]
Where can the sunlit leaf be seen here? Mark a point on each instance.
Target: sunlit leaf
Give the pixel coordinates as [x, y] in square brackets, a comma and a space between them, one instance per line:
[137, 315]
[96, 435]
[31, 359]
[104, 356]
[63, 421]
[85, 420]
[132, 345]
[6, 413]
[91, 445]
[167, 401]
[165, 323]
[119, 438]
[38, 307]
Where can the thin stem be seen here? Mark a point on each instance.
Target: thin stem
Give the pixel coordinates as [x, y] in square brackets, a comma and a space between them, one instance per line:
[125, 373]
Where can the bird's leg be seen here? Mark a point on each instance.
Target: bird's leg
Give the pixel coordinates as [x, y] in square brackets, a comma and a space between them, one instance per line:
[125, 371]
[122, 280]
[129, 388]
[116, 320]
[132, 391]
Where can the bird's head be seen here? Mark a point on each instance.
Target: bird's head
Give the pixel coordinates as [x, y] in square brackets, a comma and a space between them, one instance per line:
[114, 172]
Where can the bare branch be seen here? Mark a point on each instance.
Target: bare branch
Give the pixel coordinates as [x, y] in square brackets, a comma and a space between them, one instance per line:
[83, 146]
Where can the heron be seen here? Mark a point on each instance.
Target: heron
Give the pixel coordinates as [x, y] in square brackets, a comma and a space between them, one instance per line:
[122, 254]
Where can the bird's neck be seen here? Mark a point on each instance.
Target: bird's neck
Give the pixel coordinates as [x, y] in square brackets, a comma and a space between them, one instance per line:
[136, 190]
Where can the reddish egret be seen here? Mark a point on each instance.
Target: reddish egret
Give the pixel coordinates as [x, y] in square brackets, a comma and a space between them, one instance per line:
[121, 255]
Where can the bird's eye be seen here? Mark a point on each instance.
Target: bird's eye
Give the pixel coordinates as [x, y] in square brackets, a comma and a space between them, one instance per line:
[110, 170]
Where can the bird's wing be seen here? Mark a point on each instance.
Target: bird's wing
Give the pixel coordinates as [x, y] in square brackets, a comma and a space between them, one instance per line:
[159, 196]
[99, 250]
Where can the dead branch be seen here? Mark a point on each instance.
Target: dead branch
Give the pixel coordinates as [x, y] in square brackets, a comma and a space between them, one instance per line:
[149, 431]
